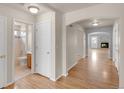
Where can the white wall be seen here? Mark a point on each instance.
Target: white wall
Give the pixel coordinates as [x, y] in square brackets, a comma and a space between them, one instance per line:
[15, 13]
[29, 38]
[11, 13]
[98, 11]
[103, 11]
[116, 44]
[58, 47]
[121, 52]
[75, 45]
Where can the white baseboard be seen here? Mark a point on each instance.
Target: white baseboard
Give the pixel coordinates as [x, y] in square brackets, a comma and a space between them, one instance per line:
[55, 79]
[66, 74]
[72, 66]
[59, 76]
[9, 83]
[75, 63]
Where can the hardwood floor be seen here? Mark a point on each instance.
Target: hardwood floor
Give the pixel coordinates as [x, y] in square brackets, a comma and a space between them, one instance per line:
[21, 69]
[96, 71]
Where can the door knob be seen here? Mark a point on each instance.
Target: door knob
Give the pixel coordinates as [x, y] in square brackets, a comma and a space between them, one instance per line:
[48, 52]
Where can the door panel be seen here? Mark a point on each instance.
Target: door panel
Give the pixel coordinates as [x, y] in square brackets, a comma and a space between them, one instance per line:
[43, 50]
[2, 52]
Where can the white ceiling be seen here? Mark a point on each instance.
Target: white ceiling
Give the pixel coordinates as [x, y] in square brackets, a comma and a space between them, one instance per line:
[63, 7]
[22, 7]
[44, 7]
[103, 22]
[68, 7]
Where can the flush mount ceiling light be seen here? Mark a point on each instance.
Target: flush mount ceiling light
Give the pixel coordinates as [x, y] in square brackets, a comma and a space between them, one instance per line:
[33, 9]
[95, 23]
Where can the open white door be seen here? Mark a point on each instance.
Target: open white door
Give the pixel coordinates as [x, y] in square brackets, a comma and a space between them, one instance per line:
[43, 48]
[3, 49]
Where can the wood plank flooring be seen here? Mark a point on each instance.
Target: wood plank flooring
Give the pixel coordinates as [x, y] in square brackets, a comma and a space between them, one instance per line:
[21, 69]
[94, 72]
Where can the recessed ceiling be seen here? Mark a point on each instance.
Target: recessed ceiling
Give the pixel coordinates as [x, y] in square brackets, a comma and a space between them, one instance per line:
[102, 22]
[68, 7]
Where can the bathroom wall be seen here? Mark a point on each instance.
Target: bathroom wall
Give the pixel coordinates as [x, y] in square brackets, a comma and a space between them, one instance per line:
[30, 38]
[20, 44]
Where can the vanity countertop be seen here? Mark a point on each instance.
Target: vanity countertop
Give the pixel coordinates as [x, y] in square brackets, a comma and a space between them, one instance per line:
[29, 52]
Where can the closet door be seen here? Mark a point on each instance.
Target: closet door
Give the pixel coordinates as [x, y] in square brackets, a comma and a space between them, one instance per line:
[43, 47]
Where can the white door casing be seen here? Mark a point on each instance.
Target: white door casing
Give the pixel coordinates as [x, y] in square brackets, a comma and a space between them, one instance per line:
[43, 48]
[27, 23]
[3, 52]
[116, 45]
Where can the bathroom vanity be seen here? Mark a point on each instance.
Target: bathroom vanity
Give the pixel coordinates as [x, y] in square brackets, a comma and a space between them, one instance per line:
[29, 60]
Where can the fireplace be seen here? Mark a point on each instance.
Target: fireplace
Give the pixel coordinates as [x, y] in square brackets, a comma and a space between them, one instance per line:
[104, 45]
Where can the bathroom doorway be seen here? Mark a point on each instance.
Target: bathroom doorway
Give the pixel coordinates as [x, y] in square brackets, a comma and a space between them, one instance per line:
[22, 48]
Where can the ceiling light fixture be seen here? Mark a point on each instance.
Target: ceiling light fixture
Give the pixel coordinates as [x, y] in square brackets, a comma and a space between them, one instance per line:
[33, 9]
[95, 23]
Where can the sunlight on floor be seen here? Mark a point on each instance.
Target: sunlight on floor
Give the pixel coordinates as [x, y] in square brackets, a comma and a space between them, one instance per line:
[94, 56]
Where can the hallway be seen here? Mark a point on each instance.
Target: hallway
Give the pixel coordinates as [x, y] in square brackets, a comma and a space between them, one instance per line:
[96, 71]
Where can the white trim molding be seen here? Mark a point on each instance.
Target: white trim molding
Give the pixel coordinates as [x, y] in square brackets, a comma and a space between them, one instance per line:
[72, 66]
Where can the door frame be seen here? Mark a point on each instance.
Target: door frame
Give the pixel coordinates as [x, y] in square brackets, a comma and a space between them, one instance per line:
[6, 44]
[6, 56]
[13, 49]
[116, 37]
